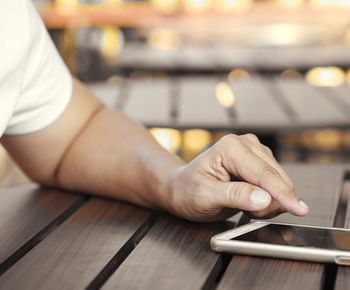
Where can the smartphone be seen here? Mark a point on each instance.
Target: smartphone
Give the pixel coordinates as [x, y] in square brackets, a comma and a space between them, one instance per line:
[287, 241]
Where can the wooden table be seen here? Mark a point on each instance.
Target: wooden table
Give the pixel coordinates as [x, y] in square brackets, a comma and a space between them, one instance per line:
[57, 240]
[218, 57]
[262, 105]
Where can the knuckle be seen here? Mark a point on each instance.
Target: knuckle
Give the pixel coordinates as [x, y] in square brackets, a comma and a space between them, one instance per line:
[230, 139]
[287, 191]
[234, 194]
[252, 137]
[269, 172]
[267, 149]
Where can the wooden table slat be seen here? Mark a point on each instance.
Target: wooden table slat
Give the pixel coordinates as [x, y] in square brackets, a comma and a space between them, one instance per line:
[149, 102]
[71, 256]
[320, 187]
[311, 107]
[175, 254]
[199, 57]
[344, 94]
[25, 211]
[255, 106]
[198, 106]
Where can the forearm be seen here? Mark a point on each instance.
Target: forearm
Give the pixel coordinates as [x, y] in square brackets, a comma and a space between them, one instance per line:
[116, 157]
[100, 151]
[96, 150]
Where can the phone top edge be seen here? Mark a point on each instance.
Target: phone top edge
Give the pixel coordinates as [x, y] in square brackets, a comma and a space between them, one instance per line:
[240, 230]
[308, 226]
[229, 234]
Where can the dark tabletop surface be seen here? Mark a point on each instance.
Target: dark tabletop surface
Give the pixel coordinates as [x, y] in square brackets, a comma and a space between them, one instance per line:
[51, 239]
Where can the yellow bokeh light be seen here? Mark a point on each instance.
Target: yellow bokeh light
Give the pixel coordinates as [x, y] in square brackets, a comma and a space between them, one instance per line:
[169, 138]
[326, 76]
[225, 95]
[339, 3]
[197, 5]
[290, 73]
[322, 2]
[322, 140]
[348, 76]
[164, 39]
[66, 7]
[194, 141]
[290, 3]
[345, 3]
[112, 2]
[233, 5]
[112, 43]
[166, 6]
[238, 74]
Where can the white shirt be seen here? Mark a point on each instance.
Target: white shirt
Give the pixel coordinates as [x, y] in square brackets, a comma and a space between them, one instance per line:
[35, 85]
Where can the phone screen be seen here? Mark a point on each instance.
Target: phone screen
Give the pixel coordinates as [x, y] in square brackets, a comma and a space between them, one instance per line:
[299, 236]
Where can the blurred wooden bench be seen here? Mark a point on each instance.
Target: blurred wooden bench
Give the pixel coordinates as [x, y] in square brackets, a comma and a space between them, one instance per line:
[136, 56]
[261, 105]
[58, 240]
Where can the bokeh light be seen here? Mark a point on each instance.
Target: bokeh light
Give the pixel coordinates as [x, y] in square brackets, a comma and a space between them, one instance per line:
[238, 74]
[290, 3]
[164, 39]
[66, 7]
[291, 74]
[233, 5]
[225, 95]
[326, 76]
[194, 141]
[166, 6]
[197, 5]
[169, 138]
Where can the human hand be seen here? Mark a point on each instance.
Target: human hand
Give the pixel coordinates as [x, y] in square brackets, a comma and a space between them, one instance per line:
[236, 173]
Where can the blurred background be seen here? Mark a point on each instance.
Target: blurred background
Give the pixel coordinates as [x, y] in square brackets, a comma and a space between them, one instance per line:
[195, 70]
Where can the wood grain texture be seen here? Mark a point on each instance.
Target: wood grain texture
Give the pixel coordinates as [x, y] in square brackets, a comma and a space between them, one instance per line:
[175, 254]
[343, 93]
[320, 187]
[149, 102]
[311, 107]
[198, 106]
[72, 255]
[25, 211]
[145, 56]
[107, 93]
[256, 106]
[192, 58]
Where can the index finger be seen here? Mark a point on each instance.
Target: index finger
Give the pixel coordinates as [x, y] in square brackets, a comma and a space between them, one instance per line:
[244, 163]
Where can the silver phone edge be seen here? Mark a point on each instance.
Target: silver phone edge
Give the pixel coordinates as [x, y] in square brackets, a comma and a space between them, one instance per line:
[221, 243]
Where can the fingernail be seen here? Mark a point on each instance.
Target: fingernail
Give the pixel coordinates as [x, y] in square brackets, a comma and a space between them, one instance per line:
[303, 204]
[259, 196]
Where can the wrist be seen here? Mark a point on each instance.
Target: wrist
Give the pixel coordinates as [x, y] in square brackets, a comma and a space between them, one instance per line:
[171, 190]
[160, 175]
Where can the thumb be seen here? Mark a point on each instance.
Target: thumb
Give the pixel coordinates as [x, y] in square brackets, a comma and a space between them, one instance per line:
[240, 195]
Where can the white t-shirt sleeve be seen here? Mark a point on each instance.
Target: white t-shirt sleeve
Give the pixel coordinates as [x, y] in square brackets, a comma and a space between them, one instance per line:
[46, 87]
